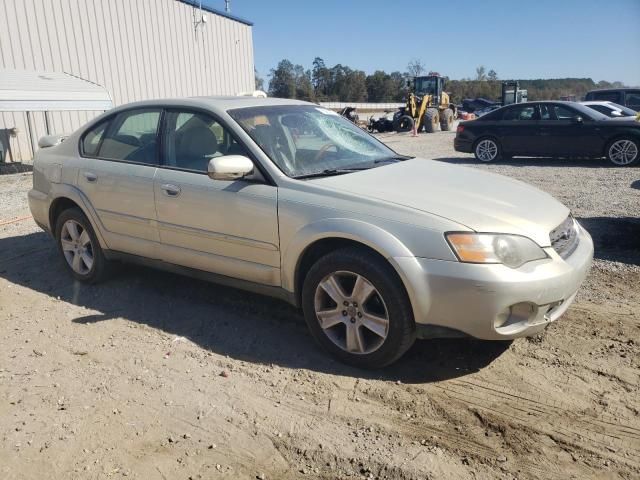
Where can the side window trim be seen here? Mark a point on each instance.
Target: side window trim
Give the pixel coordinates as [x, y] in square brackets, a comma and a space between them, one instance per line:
[110, 119]
[95, 126]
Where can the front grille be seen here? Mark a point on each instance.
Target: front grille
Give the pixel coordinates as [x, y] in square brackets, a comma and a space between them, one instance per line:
[564, 238]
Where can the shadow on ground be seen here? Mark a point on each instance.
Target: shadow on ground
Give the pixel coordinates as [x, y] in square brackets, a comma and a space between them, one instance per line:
[10, 168]
[226, 321]
[615, 239]
[636, 185]
[534, 162]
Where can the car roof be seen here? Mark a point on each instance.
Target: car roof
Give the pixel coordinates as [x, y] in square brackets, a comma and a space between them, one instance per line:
[576, 105]
[606, 103]
[218, 104]
[538, 102]
[621, 89]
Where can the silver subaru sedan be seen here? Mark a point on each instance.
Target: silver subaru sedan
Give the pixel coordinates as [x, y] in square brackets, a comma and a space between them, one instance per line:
[288, 199]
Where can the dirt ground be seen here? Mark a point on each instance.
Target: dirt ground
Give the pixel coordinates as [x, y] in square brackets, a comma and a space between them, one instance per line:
[156, 376]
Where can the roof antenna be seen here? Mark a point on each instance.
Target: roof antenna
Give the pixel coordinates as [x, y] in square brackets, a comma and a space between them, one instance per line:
[227, 6]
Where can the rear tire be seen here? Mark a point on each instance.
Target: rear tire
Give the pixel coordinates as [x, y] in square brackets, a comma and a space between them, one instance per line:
[447, 120]
[431, 120]
[403, 123]
[357, 309]
[487, 150]
[623, 152]
[79, 246]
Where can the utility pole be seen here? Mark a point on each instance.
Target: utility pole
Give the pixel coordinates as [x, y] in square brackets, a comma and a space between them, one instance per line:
[227, 6]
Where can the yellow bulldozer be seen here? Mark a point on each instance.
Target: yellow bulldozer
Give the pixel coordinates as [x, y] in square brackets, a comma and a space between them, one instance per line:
[428, 107]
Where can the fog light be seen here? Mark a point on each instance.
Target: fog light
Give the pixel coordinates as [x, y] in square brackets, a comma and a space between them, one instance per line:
[517, 313]
[502, 318]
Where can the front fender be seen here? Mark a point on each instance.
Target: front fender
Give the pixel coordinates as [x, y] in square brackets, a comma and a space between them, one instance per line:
[389, 246]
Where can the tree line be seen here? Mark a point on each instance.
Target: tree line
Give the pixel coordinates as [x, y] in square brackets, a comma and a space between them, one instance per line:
[342, 83]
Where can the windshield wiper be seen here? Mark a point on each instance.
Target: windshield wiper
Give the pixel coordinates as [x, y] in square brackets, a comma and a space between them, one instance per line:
[329, 172]
[395, 158]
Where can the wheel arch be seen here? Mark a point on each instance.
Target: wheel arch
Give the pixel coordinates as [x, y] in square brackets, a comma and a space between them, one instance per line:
[66, 196]
[320, 238]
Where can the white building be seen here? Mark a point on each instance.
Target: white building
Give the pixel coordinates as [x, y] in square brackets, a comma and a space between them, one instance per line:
[135, 49]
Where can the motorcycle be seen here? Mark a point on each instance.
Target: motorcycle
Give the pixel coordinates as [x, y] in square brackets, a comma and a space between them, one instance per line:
[381, 124]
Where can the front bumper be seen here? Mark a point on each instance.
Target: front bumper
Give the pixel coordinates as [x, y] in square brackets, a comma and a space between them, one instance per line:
[495, 302]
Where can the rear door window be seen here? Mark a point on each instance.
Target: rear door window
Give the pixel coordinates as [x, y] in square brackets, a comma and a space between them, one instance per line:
[132, 136]
[546, 112]
[522, 113]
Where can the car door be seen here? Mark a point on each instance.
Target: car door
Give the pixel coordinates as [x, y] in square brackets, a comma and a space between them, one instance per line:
[120, 157]
[517, 129]
[226, 227]
[565, 131]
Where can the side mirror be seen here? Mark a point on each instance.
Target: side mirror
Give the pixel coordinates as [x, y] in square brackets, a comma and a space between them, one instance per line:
[229, 167]
[577, 119]
[50, 141]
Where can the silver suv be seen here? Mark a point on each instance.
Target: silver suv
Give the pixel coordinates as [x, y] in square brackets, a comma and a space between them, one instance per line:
[289, 199]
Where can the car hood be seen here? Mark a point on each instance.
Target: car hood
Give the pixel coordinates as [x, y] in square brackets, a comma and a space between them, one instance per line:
[479, 200]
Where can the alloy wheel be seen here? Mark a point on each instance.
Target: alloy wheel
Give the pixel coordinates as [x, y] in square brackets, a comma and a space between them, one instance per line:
[77, 247]
[486, 150]
[351, 312]
[623, 152]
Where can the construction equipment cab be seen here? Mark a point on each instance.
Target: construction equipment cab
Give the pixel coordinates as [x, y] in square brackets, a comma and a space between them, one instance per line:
[428, 106]
[511, 92]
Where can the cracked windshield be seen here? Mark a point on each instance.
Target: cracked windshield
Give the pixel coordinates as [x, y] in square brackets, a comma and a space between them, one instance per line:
[308, 140]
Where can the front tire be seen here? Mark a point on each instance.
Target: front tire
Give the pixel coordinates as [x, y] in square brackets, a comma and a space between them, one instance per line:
[357, 309]
[487, 150]
[431, 120]
[623, 152]
[404, 123]
[79, 246]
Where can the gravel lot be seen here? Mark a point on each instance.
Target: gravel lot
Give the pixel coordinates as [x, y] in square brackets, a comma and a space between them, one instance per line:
[155, 376]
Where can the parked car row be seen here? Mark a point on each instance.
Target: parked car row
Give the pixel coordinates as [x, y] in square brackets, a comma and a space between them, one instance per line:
[551, 129]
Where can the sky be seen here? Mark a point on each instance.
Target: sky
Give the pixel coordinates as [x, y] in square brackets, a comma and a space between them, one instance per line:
[518, 39]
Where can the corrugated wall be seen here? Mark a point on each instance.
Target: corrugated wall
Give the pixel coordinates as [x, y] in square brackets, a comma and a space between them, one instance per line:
[137, 49]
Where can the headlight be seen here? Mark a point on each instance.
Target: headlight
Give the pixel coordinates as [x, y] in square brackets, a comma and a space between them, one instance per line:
[510, 250]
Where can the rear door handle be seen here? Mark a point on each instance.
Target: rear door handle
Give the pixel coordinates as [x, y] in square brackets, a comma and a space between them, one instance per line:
[90, 176]
[171, 190]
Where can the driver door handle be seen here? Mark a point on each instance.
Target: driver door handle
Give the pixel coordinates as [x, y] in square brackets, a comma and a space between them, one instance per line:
[90, 176]
[170, 190]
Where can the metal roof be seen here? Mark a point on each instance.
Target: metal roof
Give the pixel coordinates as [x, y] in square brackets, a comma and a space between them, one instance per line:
[37, 91]
[206, 5]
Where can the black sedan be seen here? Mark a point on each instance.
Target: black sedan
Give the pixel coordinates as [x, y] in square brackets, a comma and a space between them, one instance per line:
[550, 129]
